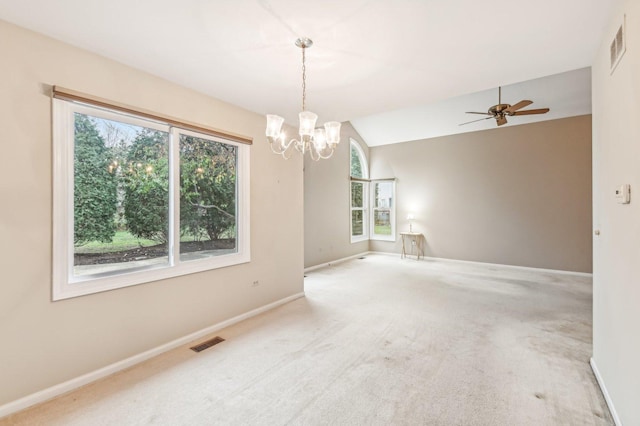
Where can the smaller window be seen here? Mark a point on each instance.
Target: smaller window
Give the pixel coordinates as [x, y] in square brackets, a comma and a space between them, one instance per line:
[383, 211]
[358, 211]
[359, 193]
[359, 167]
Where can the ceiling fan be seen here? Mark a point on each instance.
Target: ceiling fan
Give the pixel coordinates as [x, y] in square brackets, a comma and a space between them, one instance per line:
[501, 111]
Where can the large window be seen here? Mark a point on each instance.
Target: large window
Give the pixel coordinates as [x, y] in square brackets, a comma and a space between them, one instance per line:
[373, 211]
[383, 210]
[136, 200]
[359, 193]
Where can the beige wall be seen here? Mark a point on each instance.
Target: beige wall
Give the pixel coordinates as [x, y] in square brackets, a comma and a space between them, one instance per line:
[518, 195]
[616, 266]
[45, 343]
[327, 233]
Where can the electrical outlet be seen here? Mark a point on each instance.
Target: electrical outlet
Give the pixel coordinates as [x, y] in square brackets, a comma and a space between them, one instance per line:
[623, 194]
[256, 283]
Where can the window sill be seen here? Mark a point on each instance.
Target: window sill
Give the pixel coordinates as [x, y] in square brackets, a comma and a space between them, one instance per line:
[390, 238]
[82, 286]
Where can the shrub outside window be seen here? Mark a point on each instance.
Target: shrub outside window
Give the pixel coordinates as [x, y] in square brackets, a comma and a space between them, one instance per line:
[137, 200]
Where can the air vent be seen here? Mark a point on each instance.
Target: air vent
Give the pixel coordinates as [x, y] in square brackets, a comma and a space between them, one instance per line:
[618, 46]
[207, 344]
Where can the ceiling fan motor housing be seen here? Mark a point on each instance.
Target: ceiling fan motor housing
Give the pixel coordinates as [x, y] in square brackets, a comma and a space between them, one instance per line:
[498, 109]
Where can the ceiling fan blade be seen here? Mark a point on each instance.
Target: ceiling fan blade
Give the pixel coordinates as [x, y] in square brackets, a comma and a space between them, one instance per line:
[469, 122]
[473, 112]
[532, 111]
[517, 106]
[501, 120]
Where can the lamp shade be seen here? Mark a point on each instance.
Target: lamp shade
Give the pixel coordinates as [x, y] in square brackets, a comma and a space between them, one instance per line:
[319, 139]
[307, 123]
[282, 138]
[274, 124]
[410, 216]
[332, 129]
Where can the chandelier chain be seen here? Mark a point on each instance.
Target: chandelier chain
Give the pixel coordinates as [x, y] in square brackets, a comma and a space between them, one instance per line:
[304, 80]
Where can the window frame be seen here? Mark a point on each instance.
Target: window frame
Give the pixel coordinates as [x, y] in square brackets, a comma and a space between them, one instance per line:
[391, 209]
[365, 193]
[64, 284]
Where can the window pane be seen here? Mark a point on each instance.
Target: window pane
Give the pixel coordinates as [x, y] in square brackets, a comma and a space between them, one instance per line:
[383, 195]
[357, 194]
[120, 196]
[357, 227]
[208, 188]
[382, 222]
[356, 163]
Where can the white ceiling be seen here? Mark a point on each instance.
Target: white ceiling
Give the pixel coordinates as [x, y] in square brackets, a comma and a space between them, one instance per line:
[370, 57]
[567, 95]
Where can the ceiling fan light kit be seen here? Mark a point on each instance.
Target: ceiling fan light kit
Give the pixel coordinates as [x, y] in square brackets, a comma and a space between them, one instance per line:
[320, 142]
[500, 111]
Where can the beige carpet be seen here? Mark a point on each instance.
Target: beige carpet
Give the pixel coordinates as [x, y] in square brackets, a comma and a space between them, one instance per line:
[379, 341]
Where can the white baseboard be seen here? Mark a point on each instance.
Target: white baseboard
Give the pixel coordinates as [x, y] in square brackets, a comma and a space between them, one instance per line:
[603, 388]
[500, 265]
[335, 262]
[59, 389]
[524, 268]
[443, 259]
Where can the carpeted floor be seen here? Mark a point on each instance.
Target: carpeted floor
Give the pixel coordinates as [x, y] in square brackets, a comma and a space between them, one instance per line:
[378, 341]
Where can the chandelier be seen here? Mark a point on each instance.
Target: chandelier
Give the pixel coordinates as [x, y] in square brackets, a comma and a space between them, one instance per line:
[319, 142]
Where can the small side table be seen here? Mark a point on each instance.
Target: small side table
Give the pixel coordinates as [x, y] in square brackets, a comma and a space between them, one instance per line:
[415, 240]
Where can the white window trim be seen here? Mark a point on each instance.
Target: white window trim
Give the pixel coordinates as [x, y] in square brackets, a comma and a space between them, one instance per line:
[392, 213]
[66, 286]
[365, 195]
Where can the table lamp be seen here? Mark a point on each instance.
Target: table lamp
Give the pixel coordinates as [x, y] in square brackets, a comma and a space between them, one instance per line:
[410, 217]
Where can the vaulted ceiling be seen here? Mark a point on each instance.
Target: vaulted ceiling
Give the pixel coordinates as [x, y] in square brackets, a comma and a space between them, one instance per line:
[374, 62]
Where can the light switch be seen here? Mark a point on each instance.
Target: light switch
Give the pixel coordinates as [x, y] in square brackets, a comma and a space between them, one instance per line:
[623, 194]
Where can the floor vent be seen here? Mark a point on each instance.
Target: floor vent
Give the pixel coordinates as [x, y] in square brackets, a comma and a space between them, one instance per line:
[206, 345]
[361, 258]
